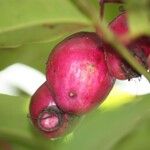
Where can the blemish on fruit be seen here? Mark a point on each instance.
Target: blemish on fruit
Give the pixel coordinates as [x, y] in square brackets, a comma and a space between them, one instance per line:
[72, 94]
[91, 68]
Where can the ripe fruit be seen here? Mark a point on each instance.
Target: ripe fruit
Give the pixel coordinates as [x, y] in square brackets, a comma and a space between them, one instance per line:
[140, 48]
[46, 116]
[77, 73]
[148, 61]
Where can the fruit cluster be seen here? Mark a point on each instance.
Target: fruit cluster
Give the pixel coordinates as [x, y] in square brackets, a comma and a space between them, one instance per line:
[81, 71]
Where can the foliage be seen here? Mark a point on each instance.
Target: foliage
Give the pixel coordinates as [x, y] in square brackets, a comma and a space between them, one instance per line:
[29, 29]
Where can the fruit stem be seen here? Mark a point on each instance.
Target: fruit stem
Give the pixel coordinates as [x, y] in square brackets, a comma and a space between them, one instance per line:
[103, 31]
[122, 50]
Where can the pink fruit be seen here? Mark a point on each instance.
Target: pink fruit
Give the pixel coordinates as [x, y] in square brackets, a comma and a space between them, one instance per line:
[46, 116]
[140, 48]
[77, 73]
[119, 25]
[148, 62]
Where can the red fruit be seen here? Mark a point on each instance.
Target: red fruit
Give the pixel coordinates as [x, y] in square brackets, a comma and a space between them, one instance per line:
[140, 48]
[119, 25]
[77, 73]
[46, 116]
[148, 62]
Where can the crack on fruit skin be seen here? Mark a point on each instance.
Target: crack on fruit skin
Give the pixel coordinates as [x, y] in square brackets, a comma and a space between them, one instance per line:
[52, 110]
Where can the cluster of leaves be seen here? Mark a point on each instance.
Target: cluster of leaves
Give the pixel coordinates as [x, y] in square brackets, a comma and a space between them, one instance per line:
[29, 29]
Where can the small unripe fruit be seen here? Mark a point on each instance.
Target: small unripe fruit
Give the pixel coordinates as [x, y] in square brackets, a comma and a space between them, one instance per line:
[139, 48]
[77, 73]
[46, 116]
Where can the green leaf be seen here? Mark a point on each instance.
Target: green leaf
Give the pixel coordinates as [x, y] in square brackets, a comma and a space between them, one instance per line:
[138, 139]
[104, 130]
[15, 126]
[91, 9]
[19, 147]
[5, 145]
[34, 55]
[88, 8]
[139, 17]
[111, 11]
[37, 21]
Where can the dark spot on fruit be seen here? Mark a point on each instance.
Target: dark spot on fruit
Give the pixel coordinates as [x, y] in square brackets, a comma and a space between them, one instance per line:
[54, 71]
[90, 67]
[129, 71]
[72, 94]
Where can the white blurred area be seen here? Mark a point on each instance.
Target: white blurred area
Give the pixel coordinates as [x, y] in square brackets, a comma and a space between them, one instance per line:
[137, 86]
[22, 77]
[28, 79]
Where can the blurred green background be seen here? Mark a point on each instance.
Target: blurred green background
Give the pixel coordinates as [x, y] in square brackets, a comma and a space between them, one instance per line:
[29, 29]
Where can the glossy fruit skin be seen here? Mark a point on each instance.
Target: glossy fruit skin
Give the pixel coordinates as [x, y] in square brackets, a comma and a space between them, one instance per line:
[46, 116]
[139, 48]
[77, 73]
